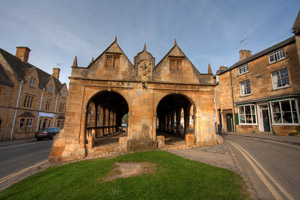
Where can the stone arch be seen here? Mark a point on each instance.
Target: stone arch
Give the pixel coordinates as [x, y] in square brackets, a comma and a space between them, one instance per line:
[112, 106]
[169, 114]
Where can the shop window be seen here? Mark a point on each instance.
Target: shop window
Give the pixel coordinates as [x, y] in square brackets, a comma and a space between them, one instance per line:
[247, 115]
[25, 124]
[285, 112]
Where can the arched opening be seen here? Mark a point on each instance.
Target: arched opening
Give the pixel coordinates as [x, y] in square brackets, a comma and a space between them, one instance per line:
[104, 118]
[175, 116]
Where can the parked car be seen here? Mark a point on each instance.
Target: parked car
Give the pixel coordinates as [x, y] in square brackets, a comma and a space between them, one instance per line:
[46, 133]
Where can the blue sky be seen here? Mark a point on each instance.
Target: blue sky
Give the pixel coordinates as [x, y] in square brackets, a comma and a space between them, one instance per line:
[208, 31]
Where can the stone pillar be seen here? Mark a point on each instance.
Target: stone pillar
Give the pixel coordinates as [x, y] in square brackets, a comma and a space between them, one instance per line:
[168, 122]
[111, 119]
[165, 127]
[101, 121]
[186, 119]
[115, 122]
[106, 121]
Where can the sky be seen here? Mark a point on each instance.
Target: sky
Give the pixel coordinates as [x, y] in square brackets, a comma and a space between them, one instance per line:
[207, 31]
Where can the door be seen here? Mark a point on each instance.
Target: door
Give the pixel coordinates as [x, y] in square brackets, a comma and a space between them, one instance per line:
[229, 122]
[264, 119]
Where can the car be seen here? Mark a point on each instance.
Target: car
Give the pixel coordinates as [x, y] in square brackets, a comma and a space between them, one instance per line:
[46, 133]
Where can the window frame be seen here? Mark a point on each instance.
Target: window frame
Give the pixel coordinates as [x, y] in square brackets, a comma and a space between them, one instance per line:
[275, 54]
[28, 101]
[280, 79]
[114, 63]
[48, 104]
[244, 66]
[32, 82]
[243, 93]
[50, 88]
[251, 110]
[281, 112]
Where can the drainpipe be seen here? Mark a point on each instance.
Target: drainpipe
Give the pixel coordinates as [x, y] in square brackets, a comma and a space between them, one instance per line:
[16, 109]
[40, 108]
[232, 102]
[55, 109]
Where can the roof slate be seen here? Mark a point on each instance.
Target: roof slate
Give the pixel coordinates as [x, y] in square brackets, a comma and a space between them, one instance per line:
[20, 69]
[297, 22]
[262, 53]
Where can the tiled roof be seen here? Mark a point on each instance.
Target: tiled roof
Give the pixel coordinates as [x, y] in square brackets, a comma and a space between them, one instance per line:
[262, 53]
[20, 69]
[4, 79]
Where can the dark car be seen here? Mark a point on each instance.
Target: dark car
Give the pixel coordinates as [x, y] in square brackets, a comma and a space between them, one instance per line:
[47, 133]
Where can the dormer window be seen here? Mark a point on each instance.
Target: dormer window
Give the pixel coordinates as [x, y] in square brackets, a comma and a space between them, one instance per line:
[32, 82]
[276, 56]
[50, 89]
[112, 61]
[63, 94]
[243, 69]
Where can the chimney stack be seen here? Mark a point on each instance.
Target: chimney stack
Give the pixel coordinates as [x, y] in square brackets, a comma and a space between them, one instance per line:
[55, 73]
[23, 53]
[245, 54]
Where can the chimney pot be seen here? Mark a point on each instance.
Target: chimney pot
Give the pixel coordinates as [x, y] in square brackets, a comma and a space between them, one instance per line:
[55, 73]
[23, 53]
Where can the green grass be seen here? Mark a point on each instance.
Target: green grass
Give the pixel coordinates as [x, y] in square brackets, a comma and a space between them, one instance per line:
[174, 178]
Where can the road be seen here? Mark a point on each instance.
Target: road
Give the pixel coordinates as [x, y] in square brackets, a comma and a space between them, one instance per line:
[272, 167]
[17, 157]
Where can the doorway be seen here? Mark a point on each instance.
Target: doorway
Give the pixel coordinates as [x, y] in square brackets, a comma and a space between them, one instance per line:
[229, 122]
[264, 118]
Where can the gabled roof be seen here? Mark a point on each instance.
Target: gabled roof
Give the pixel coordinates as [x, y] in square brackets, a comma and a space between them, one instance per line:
[20, 69]
[4, 79]
[297, 22]
[262, 53]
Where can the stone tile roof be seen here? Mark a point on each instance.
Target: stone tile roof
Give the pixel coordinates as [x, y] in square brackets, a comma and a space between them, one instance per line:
[20, 69]
[262, 53]
[4, 79]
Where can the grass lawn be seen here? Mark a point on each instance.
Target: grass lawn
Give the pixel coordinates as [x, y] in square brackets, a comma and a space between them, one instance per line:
[174, 178]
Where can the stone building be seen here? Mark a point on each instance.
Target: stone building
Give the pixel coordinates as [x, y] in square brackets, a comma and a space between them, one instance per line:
[29, 97]
[154, 96]
[260, 93]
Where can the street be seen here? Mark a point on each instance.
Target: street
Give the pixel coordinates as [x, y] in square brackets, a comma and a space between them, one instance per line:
[17, 157]
[272, 167]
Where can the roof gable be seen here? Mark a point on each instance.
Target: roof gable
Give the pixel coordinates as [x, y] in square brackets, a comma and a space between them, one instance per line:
[4, 78]
[185, 72]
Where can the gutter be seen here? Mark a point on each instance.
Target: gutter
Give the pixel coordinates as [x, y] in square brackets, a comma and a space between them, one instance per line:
[16, 109]
[232, 96]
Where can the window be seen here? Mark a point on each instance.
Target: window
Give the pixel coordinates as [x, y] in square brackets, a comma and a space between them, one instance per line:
[245, 88]
[112, 61]
[175, 64]
[32, 82]
[285, 112]
[21, 124]
[243, 69]
[58, 123]
[25, 124]
[247, 115]
[63, 94]
[28, 101]
[61, 107]
[276, 56]
[48, 103]
[50, 89]
[280, 78]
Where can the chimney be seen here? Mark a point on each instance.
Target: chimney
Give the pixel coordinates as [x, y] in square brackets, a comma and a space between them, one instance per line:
[244, 54]
[55, 73]
[23, 53]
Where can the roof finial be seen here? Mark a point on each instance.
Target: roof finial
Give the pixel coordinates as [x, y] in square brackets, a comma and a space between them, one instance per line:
[92, 59]
[175, 43]
[144, 46]
[209, 71]
[75, 62]
[115, 39]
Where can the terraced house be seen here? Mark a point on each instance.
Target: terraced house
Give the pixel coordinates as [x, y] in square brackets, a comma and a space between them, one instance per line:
[30, 98]
[260, 93]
